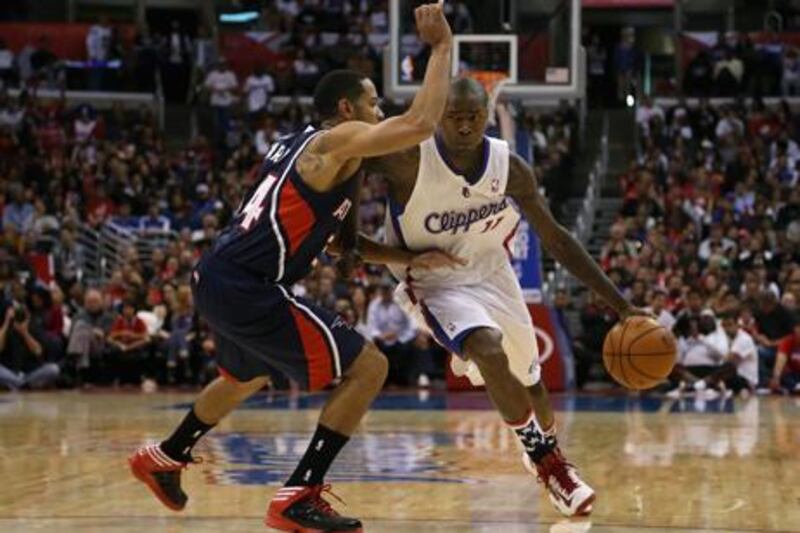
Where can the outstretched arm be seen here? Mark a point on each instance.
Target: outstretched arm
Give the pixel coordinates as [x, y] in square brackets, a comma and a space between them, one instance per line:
[372, 251]
[523, 188]
[356, 140]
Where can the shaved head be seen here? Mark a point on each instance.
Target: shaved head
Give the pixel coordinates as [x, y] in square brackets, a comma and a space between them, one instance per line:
[465, 117]
[469, 88]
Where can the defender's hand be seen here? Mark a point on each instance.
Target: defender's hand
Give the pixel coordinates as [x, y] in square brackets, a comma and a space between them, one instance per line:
[436, 259]
[432, 25]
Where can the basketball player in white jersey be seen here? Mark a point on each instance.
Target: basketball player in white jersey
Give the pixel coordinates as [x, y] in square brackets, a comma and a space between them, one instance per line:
[462, 192]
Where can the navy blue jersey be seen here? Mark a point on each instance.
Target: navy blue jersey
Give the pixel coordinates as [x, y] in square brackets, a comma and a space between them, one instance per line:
[283, 224]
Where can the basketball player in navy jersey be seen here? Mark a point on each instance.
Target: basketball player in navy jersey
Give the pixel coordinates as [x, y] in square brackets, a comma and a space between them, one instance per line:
[309, 183]
[451, 193]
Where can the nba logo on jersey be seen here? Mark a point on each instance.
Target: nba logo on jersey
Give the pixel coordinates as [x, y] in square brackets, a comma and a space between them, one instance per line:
[465, 192]
[496, 185]
[343, 209]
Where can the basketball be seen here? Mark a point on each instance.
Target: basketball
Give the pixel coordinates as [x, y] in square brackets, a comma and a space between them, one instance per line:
[639, 353]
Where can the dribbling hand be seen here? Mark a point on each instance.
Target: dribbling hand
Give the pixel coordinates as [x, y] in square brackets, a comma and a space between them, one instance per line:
[432, 25]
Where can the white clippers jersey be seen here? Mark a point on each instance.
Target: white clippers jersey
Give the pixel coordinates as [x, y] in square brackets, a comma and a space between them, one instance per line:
[474, 222]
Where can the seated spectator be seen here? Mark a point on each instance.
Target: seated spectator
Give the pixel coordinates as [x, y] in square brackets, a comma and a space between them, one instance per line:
[785, 374]
[739, 371]
[19, 213]
[128, 338]
[181, 335]
[23, 361]
[658, 306]
[774, 323]
[699, 357]
[694, 319]
[393, 331]
[597, 319]
[87, 346]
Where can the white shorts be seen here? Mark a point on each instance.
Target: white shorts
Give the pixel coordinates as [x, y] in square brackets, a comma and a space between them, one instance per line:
[452, 313]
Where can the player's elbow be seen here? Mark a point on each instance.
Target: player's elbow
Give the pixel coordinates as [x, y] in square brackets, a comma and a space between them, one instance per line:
[420, 125]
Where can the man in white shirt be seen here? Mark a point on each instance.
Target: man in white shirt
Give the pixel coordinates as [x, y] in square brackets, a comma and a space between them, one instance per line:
[393, 331]
[259, 87]
[221, 83]
[720, 363]
[658, 306]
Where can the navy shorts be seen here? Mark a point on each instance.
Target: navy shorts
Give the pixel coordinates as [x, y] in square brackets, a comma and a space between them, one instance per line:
[260, 327]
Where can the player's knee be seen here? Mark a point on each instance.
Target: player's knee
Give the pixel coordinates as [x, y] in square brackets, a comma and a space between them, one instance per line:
[485, 349]
[371, 365]
[244, 389]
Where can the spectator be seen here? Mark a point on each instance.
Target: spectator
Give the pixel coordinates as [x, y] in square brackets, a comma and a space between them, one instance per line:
[19, 213]
[392, 330]
[128, 338]
[739, 372]
[786, 372]
[98, 51]
[221, 82]
[181, 336]
[658, 306]
[259, 87]
[699, 77]
[145, 61]
[87, 346]
[23, 362]
[175, 67]
[774, 323]
[791, 73]
[728, 74]
[7, 74]
[43, 62]
[627, 64]
[597, 319]
[306, 71]
[699, 357]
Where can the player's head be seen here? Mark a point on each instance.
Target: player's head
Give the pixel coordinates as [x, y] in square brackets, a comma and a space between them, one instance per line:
[343, 95]
[466, 115]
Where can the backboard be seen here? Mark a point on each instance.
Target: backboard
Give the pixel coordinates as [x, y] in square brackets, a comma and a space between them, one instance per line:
[534, 43]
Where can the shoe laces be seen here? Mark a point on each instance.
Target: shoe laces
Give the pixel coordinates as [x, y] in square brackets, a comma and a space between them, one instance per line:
[321, 504]
[559, 468]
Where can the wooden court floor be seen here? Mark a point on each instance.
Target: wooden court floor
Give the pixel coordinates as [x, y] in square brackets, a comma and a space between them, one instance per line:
[424, 463]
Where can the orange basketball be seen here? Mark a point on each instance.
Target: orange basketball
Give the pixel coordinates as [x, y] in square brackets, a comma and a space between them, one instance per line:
[639, 352]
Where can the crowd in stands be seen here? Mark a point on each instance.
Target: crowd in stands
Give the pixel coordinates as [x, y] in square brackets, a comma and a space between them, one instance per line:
[736, 65]
[709, 238]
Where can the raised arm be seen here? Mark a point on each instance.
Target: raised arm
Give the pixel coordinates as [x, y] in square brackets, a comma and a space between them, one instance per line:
[523, 188]
[354, 140]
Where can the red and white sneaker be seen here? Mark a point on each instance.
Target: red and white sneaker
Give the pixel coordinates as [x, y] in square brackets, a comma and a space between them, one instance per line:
[161, 474]
[570, 495]
[303, 510]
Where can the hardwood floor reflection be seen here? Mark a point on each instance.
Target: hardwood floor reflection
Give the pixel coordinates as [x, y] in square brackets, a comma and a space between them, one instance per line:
[435, 463]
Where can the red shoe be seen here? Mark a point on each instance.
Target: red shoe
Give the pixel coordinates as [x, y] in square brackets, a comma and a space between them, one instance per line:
[302, 510]
[161, 474]
[569, 494]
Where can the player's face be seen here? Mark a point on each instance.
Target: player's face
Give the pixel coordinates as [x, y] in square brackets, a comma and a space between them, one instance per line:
[464, 122]
[367, 107]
